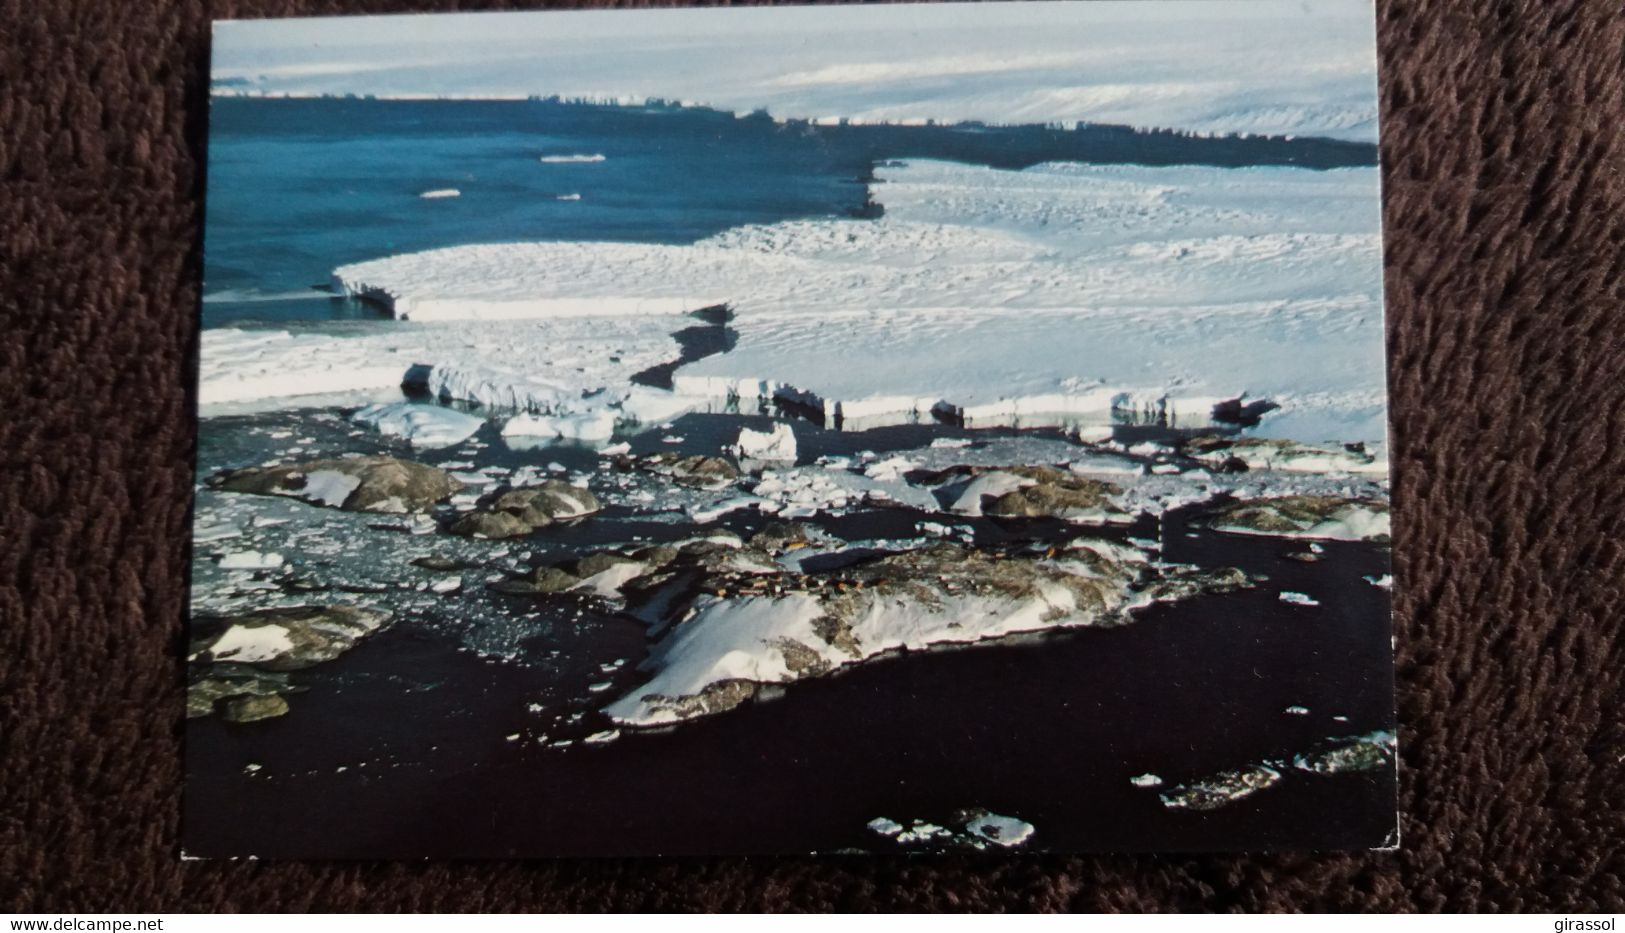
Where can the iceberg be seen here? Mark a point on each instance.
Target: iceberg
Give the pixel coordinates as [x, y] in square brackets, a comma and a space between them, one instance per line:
[777, 444]
[1062, 295]
[1266, 67]
[427, 426]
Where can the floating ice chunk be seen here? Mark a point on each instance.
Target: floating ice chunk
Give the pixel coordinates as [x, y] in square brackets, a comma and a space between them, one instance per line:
[885, 827]
[1004, 831]
[590, 426]
[572, 158]
[1298, 599]
[250, 560]
[617, 449]
[602, 738]
[777, 444]
[329, 487]
[439, 193]
[950, 443]
[1146, 780]
[252, 644]
[1092, 433]
[215, 531]
[1296, 711]
[1384, 582]
[994, 483]
[567, 197]
[430, 426]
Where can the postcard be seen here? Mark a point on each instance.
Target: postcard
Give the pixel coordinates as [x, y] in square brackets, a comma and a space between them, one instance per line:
[884, 429]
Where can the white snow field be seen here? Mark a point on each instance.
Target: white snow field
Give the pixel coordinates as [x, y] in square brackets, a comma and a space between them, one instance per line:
[1059, 293]
[541, 365]
[1279, 67]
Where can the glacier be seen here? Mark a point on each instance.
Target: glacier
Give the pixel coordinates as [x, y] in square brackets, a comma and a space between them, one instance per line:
[1056, 294]
[1264, 67]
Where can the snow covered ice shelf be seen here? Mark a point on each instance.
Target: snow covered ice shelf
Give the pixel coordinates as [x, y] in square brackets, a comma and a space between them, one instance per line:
[546, 366]
[996, 295]
[1304, 67]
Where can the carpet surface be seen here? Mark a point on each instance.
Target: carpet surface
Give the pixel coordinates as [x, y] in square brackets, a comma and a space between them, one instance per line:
[1504, 167]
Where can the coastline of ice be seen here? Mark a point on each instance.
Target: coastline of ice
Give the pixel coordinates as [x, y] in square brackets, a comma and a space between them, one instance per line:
[1275, 67]
[1053, 295]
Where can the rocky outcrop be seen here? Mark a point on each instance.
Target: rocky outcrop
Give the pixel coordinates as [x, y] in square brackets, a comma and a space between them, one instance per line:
[239, 666]
[1268, 453]
[775, 445]
[355, 484]
[732, 618]
[1372, 752]
[974, 829]
[515, 512]
[254, 708]
[1221, 789]
[696, 470]
[1332, 517]
[1027, 492]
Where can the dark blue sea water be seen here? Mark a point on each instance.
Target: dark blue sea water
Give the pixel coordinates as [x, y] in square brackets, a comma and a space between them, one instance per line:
[298, 187]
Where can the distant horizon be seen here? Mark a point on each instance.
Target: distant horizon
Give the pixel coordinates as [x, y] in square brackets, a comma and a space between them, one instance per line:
[1187, 65]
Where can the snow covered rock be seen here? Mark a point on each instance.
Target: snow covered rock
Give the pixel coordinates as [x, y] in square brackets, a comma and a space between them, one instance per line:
[356, 484]
[746, 621]
[427, 426]
[252, 708]
[1029, 492]
[1221, 789]
[290, 638]
[1268, 453]
[586, 426]
[250, 560]
[1331, 517]
[1370, 752]
[228, 681]
[777, 444]
[516, 512]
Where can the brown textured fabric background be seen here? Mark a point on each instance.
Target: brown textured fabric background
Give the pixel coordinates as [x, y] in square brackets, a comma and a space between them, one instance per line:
[1505, 204]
